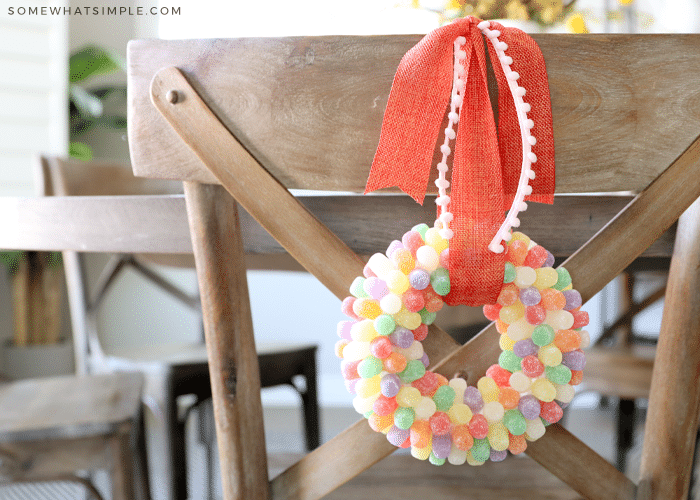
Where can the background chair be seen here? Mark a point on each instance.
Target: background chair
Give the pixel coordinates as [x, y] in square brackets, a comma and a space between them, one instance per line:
[170, 370]
[57, 428]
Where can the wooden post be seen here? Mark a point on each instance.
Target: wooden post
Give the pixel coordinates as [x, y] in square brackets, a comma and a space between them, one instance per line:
[672, 419]
[228, 326]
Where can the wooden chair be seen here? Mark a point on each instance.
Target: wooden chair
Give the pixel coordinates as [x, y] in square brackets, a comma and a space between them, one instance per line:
[170, 370]
[256, 117]
[56, 428]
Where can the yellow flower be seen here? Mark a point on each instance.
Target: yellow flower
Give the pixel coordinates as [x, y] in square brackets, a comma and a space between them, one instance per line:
[576, 23]
[625, 2]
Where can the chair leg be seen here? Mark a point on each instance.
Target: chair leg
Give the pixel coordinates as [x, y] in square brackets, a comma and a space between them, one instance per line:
[625, 431]
[672, 419]
[309, 400]
[123, 484]
[228, 325]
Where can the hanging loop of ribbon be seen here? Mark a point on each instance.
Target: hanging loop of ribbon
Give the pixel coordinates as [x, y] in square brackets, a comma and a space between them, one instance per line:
[486, 165]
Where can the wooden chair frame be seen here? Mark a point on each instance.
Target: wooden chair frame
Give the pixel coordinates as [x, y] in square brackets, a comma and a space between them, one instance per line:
[229, 157]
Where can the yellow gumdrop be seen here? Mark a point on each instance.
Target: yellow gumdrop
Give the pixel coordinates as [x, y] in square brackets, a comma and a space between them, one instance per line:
[403, 260]
[567, 287]
[519, 236]
[547, 277]
[488, 389]
[408, 396]
[425, 408]
[506, 343]
[543, 390]
[511, 314]
[368, 308]
[471, 460]
[356, 350]
[550, 355]
[363, 405]
[397, 282]
[565, 392]
[520, 382]
[407, 319]
[460, 413]
[367, 387]
[422, 453]
[363, 331]
[459, 385]
[498, 436]
[415, 351]
[534, 430]
[520, 330]
[457, 456]
[433, 238]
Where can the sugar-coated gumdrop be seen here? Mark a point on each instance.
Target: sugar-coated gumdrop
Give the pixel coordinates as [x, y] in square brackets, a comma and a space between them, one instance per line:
[491, 311]
[530, 296]
[403, 260]
[427, 318]
[442, 444]
[511, 314]
[498, 436]
[508, 296]
[433, 238]
[488, 389]
[444, 398]
[515, 422]
[397, 282]
[543, 390]
[427, 258]
[393, 246]
[379, 424]
[493, 411]
[419, 279]
[397, 436]
[573, 299]
[520, 382]
[576, 377]
[339, 346]
[367, 272]
[551, 412]
[375, 288]
[420, 333]
[499, 375]
[390, 385]
[532, 366]
[384, 406]
[349, 369]
[575, 360]
[529, 407]
[510, 362]
[580, 319]
[420, 433]
[550, 355]
[525, 347]
[413, 371]
[460, 414]
[517, 251]
[552, 300]
[369, 367]
[517, 444]
[440, 281]
[408, 396]
[509, 273]
[564, 279]
[462, 438]
[506, 343]
[549, 261]
[380, 347]
[536, 257]
[535, 429]
[543, 335]
[520, 330]
[395, 363]
[344, 329]
[524, 276]
[402, 337]
[440, 423]
[413, 300]
[404, 417]
[535, 315]
[445, 258]
[546, 278]
[559, 374]
[509, 398]
[567, 340]
[347, 307]
[427, 384]
[472, 398]
[478, 426]
[481, 450]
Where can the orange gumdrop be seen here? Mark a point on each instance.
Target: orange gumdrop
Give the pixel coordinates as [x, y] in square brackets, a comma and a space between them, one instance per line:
[509, 398]
[552, 299]
[420, 434]
[517, 251]
[509, 295]
[567, 340]
[395, 363]
[576, 377]
[378, 423]
[442, 380]
[462, 438]
[516, 444]
[501, 326]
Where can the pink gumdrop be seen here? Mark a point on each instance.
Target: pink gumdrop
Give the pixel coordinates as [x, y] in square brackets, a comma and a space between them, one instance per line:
[413, 300]
[535, 315]
[380, 347]
[393, 246]
[349, 369]
[384, 406]
[350, 385]
[445, 258]
[413, 241]
[580, 319]
[427, 384]
[551, 412]
[344, 329]
[440, 423]
[376, 288]
[499, 375]
[491, 311]
[478, 426]
[536, 257]
[346, 307]
[367, 272]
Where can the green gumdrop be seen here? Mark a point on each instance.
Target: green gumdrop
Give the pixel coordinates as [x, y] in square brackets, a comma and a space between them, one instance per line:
[444, 397]
[421, 229]
[440, 281]
[426, 317]
[545, 423]
[515, 422]
[564, 279]
[510, 361]
[414, 370]
[543, 335]
[369, 367]
[384, 324]
[357, 289]
[559, 374]
[404, 417]
[368, 414]
[435, 460]
[481, 451]
[509, 274]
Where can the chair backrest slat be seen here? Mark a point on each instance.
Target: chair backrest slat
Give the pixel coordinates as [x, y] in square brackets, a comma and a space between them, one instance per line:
[310, 109]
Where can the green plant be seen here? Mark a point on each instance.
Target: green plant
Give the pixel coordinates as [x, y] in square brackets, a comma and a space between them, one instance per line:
[101, 106]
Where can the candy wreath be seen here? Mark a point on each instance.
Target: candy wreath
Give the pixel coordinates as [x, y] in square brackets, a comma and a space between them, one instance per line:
[537, 314]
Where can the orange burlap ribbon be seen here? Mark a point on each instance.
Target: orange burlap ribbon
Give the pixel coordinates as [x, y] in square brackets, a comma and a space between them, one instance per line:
[486, 164]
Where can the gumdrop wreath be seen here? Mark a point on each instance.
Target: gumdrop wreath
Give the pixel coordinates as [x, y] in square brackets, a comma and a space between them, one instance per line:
[537, 312]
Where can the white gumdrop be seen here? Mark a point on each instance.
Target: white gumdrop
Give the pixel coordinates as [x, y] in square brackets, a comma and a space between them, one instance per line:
[427, 258]
[380, 265]
[390, 304]
[457, 456]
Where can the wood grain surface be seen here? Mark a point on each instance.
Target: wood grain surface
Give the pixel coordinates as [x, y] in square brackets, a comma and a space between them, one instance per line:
[310, 108]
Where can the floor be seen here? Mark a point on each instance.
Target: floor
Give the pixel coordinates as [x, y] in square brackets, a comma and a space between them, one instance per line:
[592, 422]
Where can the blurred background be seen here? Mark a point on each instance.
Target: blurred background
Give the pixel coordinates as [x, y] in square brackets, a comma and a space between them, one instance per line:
[49, 103]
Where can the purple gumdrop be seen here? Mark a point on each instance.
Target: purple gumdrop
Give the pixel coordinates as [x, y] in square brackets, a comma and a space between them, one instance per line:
[390, 385]
[393, 246]
[424, 359]
[549, 261]
[529, 406]
[402, 337]
[397, 436]
[498, 456]
[442, 445]
[524, 347]
[573, 299]
[575, 360]
[473, 399]
[344, 329]
[530, 296]
[419, 279]
[350, 385]
[375, 287]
